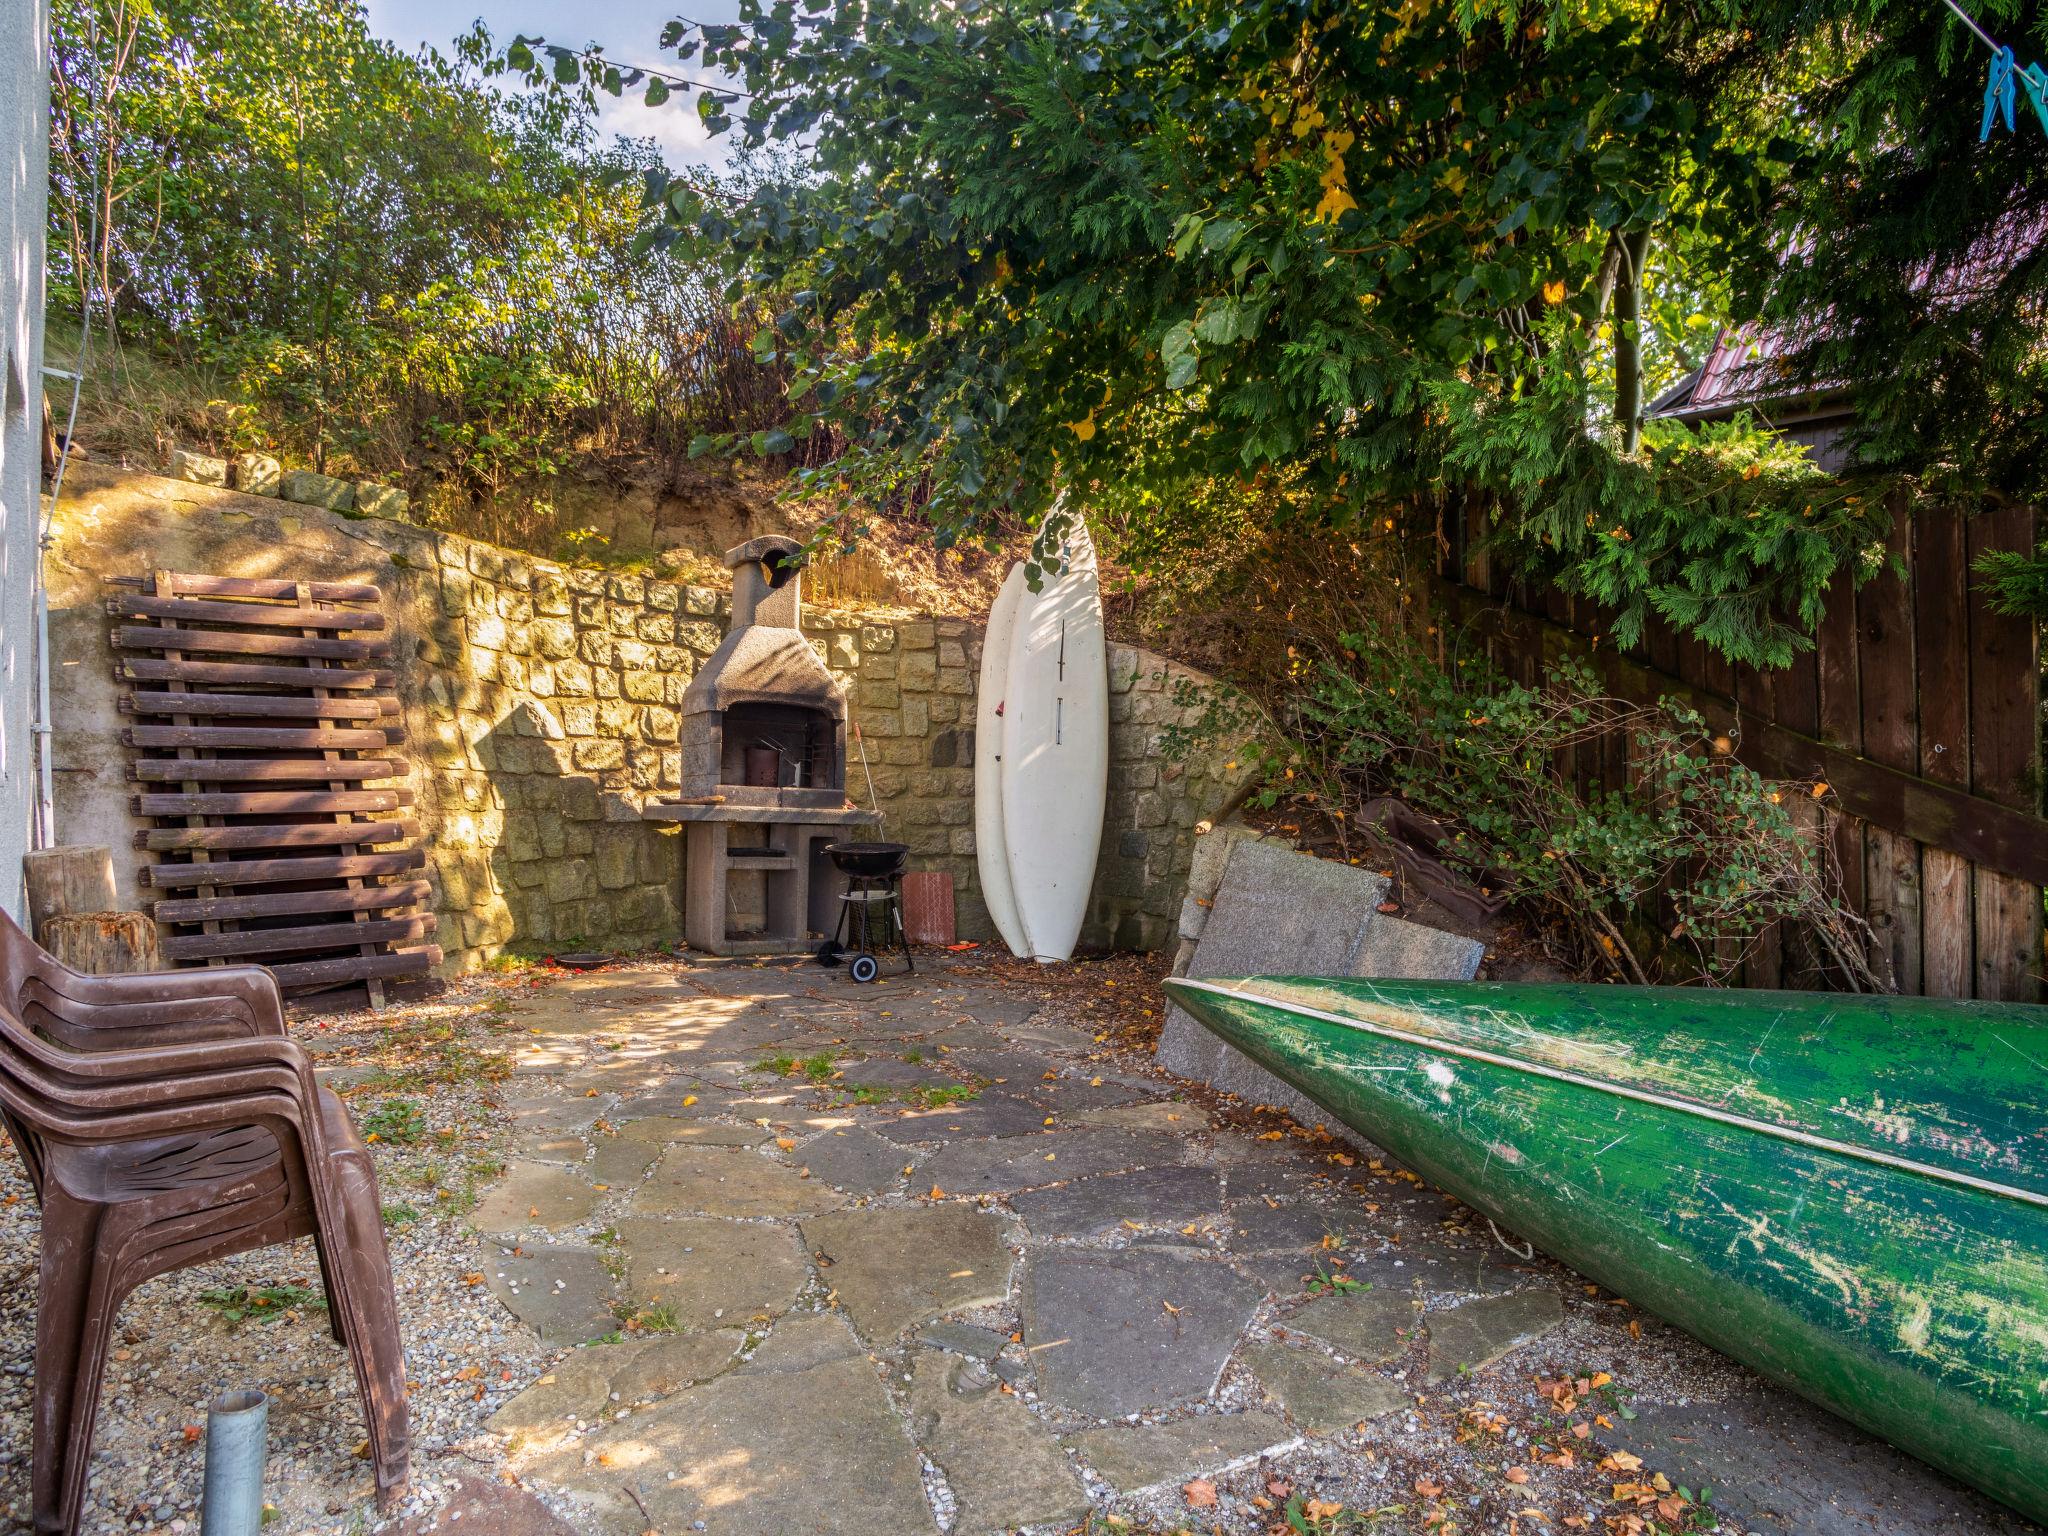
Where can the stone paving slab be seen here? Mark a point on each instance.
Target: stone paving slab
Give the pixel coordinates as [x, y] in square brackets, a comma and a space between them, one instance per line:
[1096, 1206]
[712, 1271]
[1371, 1325]
[1256, 1227]
[1173, 1116]
[1116, 1333]
[1023, 1162]
[896, 1266]
[1004, 1468]
[983, 1117]
[1320, 1395]
[563, 1294]
[532, 1197]
[819, 1451]
[1473, 1336]
[982, 1344]
[1137, 1456]
[856, 1160]
[721, 1181]
[588, 1384]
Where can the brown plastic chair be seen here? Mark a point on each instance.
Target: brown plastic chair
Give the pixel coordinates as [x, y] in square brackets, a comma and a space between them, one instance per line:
[158, 1144]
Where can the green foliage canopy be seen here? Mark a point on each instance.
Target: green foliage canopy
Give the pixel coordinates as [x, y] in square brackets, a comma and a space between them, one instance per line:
[1380, 250]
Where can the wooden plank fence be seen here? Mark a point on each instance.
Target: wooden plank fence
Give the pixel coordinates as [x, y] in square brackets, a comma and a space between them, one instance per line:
[1920, 708]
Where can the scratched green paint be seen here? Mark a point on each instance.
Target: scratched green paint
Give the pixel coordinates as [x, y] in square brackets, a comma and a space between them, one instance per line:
[1912, 1300]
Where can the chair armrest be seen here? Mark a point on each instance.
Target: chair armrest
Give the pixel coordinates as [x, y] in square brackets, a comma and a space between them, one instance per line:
[252, 985]
[98, 1013]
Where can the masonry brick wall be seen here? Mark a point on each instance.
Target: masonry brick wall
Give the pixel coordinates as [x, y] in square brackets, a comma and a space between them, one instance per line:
[541, 703]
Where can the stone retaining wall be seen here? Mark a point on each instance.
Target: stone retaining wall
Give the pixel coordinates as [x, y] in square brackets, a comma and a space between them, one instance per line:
[541, 709]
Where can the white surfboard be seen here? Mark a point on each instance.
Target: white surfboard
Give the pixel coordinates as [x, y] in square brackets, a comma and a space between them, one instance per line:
[991, 848]
[1055, 768]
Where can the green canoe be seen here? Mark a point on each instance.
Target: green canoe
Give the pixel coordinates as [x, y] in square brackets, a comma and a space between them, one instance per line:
[1848, 1194]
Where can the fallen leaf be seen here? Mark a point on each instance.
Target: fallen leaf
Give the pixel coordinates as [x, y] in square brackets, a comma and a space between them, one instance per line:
[937, 1193]
[1428, 1488]
[1200, 1494]
[1518, 1474]
[1321, 1509]
[689, 1099]
[1171, 1308]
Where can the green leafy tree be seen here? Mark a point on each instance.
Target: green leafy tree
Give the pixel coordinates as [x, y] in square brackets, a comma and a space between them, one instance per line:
[1396, 253]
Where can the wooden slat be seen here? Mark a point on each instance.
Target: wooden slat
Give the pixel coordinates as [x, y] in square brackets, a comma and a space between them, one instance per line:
[270, 941]
[256, 706]
[185, 584]
[244, 642]
[270, 802]
[1891, 737]
[2005, 764]
[255, 738]
[1941, 634]
[149, 669]
[348, 866]
[314, 834]
[297, 975]
[234, 770]
[368, 898]
[186, 611]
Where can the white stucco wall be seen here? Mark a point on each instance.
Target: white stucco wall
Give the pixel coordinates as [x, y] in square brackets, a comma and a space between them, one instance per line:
[24, 147]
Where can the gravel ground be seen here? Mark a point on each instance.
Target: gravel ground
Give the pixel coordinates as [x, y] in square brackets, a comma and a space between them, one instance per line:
[424, 1077]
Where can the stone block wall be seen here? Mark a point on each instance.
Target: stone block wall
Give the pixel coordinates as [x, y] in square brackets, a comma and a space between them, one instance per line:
[541, 706]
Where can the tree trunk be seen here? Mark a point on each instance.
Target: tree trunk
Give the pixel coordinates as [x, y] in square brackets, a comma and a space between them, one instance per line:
[1628, 338]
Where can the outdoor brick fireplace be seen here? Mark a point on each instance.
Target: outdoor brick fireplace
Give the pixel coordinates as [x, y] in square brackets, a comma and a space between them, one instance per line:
[764, 772]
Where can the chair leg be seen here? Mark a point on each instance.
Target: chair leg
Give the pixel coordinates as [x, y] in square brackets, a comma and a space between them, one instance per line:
[73, 1324]
[367, 1310]
[335, 1322]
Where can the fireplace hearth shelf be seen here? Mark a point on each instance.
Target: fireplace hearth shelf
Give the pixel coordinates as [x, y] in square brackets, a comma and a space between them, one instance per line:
[764, 772]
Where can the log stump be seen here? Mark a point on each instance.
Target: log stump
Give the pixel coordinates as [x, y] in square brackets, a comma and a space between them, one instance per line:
[103, 943]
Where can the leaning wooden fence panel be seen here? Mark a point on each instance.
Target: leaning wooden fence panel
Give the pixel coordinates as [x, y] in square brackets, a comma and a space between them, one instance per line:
[271, 787]
[1918, 706]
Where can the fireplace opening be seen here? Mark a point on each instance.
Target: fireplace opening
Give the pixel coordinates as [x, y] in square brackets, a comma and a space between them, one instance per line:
[780, 746]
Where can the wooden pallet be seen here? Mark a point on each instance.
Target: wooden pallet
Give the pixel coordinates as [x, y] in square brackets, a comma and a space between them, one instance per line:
[263, 736]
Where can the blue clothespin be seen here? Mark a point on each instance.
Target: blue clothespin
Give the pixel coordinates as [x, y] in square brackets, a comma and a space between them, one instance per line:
[1998, 95]
[2035, 79]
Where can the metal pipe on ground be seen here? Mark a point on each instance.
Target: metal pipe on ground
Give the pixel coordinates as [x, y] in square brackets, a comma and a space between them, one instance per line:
[237, 1444]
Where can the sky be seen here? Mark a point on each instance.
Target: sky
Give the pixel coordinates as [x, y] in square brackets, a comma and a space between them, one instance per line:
[630, 31]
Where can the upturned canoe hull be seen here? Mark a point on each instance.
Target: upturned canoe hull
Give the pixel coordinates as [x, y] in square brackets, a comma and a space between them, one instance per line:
[1848, 1195]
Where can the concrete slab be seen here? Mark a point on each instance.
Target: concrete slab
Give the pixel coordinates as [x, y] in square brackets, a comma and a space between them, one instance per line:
[1277, 912]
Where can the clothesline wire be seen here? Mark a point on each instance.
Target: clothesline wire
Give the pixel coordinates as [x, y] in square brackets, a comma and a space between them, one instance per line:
[1971, 22]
